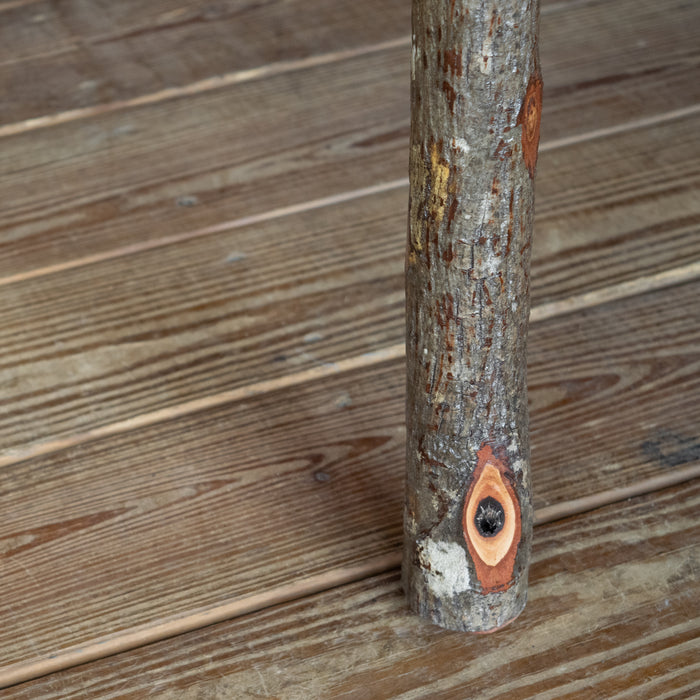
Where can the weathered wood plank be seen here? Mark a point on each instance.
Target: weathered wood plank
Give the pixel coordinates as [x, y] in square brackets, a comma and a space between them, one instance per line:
[94, 185]
[33, 29]
[659, 51]
[84, 55]
[213, 507]
[608, 616]
[77, 55]
[101, 343]
[615, 205]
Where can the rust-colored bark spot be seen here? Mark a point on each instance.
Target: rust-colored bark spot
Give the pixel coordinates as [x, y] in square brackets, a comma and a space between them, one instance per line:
[503, 150]
[452, 212]
[529, 119]
[491, 522]
[452, 61]
[445, 317]
[448, 254]
[450, 94]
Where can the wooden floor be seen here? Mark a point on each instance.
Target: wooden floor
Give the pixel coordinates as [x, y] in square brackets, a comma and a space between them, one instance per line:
[201, 259]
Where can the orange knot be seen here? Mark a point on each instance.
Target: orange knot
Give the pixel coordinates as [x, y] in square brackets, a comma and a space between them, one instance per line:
[529, 119]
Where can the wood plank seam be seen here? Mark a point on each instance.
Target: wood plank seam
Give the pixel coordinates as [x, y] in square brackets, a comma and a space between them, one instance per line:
[221, 227]
[114, 644]
[538, 313]
[213, 82]
[635, 633]
[330, 200]
[200, 86]
[621, 128]
[13, 4]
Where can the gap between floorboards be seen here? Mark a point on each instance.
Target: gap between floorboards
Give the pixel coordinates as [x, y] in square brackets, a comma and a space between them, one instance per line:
[322, 202]
[205, 85]
[14, 4]
[214, 82]
[538, 313]
[313, 585]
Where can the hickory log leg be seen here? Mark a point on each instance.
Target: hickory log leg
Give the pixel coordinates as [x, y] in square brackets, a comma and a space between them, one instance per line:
[476, 96]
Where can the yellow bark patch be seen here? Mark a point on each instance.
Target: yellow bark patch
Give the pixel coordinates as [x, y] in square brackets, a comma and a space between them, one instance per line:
[433, 179]
[439, 175]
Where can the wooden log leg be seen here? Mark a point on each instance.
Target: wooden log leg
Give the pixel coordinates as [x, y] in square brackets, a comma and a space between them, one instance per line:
[476, 96]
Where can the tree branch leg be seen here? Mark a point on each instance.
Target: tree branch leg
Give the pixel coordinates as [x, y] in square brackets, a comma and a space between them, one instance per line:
[476, 96]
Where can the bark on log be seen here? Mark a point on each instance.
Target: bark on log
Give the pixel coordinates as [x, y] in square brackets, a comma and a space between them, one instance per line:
[476, 95]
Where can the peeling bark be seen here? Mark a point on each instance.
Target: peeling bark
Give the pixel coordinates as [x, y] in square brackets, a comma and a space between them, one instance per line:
[476, 95]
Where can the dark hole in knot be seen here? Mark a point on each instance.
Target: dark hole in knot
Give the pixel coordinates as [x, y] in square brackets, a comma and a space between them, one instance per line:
[490, 517]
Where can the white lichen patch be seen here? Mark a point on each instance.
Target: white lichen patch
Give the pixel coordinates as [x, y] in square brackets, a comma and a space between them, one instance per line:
[486, 208]
[445, 567]
[460, 144]
[485, 61]
[415, 57]
[519, 465]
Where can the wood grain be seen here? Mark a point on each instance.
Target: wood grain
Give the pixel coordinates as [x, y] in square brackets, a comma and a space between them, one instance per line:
[79, 55]
[608, 617]
[659, 51]
[85, 56]
[97, 344]
[32, 29]
[143, 173]
[197, 382]
[197, 512]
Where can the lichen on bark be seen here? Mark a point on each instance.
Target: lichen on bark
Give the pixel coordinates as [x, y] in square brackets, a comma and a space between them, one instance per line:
[476, 95]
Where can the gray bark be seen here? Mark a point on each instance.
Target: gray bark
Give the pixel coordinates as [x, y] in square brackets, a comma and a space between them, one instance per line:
[476, 101]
